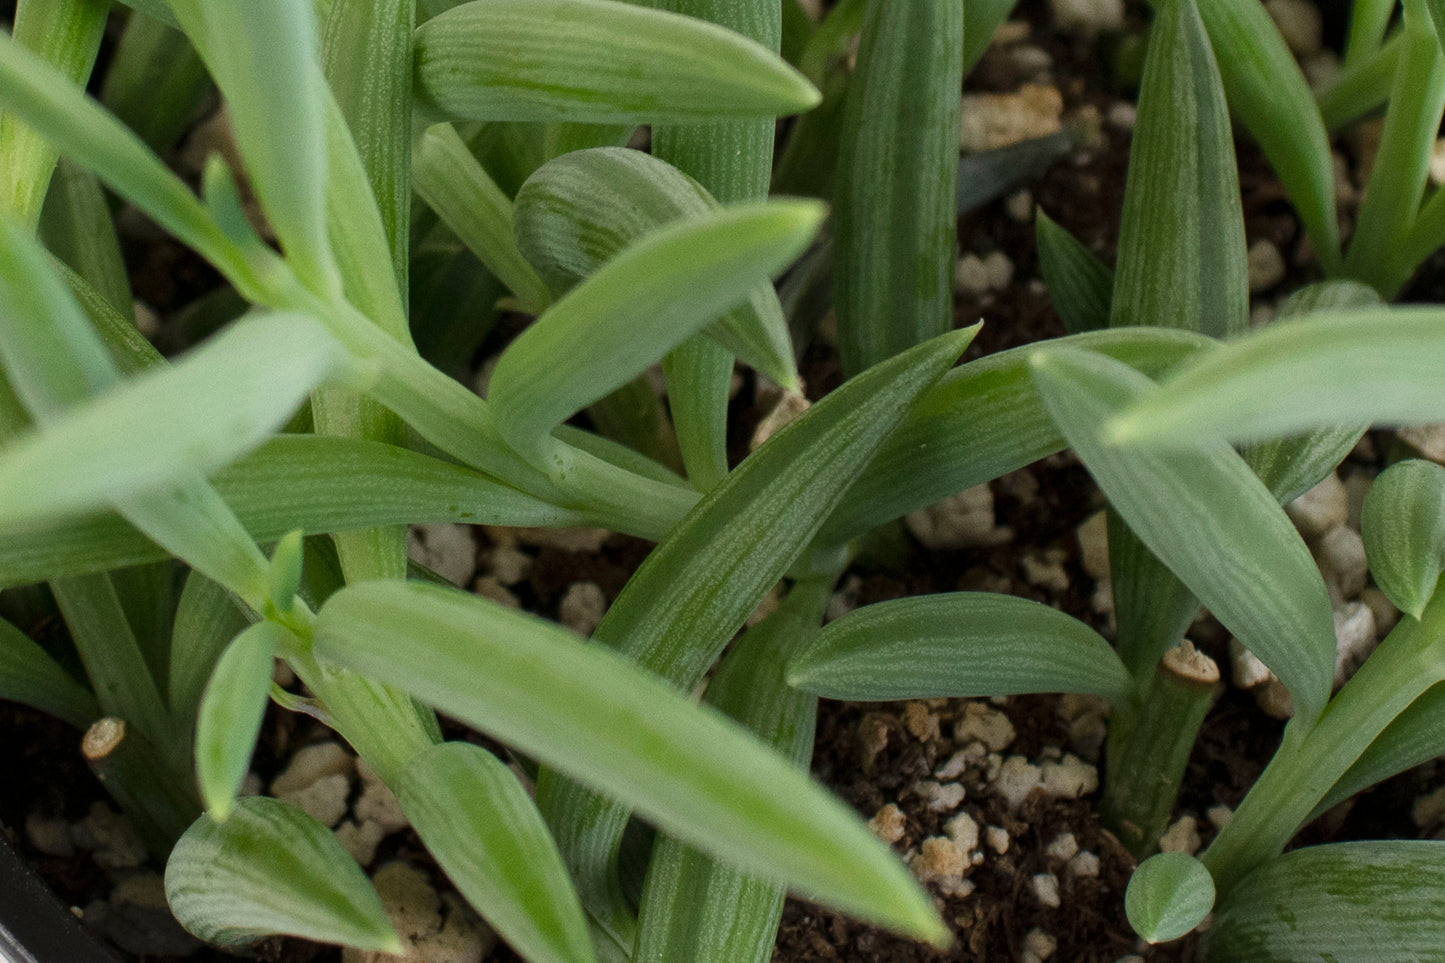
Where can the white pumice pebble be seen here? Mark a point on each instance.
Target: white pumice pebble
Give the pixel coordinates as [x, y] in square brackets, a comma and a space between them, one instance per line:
[1046, 889]
[582, 607]
[964, 520]
[448, 550]
[997, 839]
[1320, 509]
[888, 823]
[310, 763]
[992, 120]
[1038, 945]
[1062, 847]
[1084, 864]
[985, 725]
[1341, 556]
[1087, 18]
[1181, 837]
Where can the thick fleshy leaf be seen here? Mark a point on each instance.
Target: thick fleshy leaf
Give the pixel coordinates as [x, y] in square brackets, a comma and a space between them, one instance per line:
[315, 484]
[1168, 895]
[77, 228]
[895, 225]
[594, 714]
[696, 589]
[640, 305]
[1181, 260]
[45, 99]
[1347, 901]
[695, 907]
[155, 82]
[582, 209]
[452, 182]
[1080, 285]
[29, 675]
[982, 420]
[957, 644]
[1323, 370]
[1205, 515]
[485, 832]
[230, 715]
[599, 62]
[1269, 95]
[1415, 736]
[263, 56]
[270, 868]
[207, 619]
[1404, 527]
[208, 409]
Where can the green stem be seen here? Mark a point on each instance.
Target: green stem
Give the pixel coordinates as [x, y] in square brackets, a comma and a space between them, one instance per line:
[1149, 747]
[1310, 762]
[1368, 21]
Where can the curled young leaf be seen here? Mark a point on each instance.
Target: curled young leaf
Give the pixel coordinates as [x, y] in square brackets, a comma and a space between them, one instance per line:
[230, 715]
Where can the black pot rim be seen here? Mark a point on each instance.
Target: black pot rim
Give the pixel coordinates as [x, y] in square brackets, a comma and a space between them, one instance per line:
[34, 926]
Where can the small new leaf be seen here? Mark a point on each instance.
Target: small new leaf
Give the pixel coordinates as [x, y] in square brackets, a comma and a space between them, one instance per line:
[230, 715]
[1403, 523]
[286, 570]
[270, 869]
[1168, 895]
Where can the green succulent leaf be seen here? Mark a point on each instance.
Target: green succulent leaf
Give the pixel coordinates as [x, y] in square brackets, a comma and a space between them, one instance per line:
[208, 409]
[896, 220]
[696, 907]
[263, 56]
[285, 570]
[1080, 285]
[207, 619]
[1322, 370]
[644, 302]
[1346, 901]
[596, 61]
[1208, 518]
[1181, 261]
[78, 230]
[579, 211]
[598, 717]
[485, 832]
[982, 420]
[1403, 523]
[1168, 895]
[296, 481]
[230, 714]
[697, 588]
[1268, 94]
[1415, 736]
[270, 868]
[30, 676]
[155, 82]
[957, 644]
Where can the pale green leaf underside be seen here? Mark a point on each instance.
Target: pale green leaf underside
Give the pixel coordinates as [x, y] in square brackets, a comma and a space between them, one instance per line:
[1415, 736]
[597, 61]
[1168, 895]
[230, 714]
[1347, 901]
[270, 868]
[957, 644]
[636, 308]
[207, 619]
[1379, 365]
[1205, 515]
[594, 715]
[484, 830]
[205, 411]
[1079, 284]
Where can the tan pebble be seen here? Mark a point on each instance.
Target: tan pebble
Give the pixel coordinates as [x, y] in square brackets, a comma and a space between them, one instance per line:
[940, 798]
[1354, 638]
[1300, 24]
[1087, 18]
[991, 120]
[1093, 538]
[1020, 205]
[1320, 509]
[378, 804]
[790, 408]
[1341, 555]
[1247, 670]
[1357, 486]
[360, 840]
[1428, 440]
[1017, 777]
[954, 767]
[1266, 266]
[111, 838]
[509, 565]
[1046, 570]
[921, 724]
[872, 739]
[323, 800]
[1046, 889]
[49, 834]
[147, 890]
[888, 824]
[940, 860]
[1384, 611]
[1429, 809]
[1039, 945]
[311, 763]
[1083, 864]
[1063, 847]
[963, 830]
[964, 520]
[997, 838]
[985, 725]
[581, 541]
[1181, 837]
[1069, 779]
[582, 607]
[489, 588]
[448, 550]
